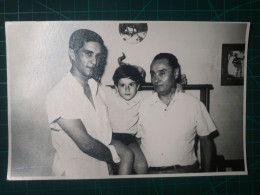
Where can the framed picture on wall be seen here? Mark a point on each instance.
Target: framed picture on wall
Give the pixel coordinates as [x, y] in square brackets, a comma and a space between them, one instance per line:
[232, 64]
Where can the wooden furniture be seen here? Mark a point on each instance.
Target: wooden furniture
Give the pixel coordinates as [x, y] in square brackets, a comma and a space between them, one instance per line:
[204, 91]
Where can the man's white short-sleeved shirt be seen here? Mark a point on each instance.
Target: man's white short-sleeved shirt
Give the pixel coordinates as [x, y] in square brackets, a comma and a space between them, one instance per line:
[68, 101]
[168, 132]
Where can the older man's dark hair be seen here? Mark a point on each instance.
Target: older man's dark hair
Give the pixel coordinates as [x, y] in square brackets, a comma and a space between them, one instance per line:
[172, 60]
[81, 36]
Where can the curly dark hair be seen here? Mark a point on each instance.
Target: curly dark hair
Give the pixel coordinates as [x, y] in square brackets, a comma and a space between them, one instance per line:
[127, 71]
[77, 40]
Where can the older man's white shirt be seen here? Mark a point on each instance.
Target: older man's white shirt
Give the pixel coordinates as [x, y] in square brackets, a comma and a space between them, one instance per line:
[168, 132]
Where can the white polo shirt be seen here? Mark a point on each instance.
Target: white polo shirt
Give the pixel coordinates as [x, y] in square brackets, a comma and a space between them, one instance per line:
[123, 115]
[67, 100]
[168, 132]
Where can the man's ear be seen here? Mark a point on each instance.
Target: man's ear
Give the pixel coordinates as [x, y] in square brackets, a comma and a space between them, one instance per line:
[176, 73]
[71, 54]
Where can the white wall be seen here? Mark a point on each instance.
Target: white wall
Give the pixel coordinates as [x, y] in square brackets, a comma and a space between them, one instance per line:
[37, 59]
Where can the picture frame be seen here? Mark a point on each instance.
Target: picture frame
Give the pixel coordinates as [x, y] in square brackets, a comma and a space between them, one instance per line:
[232, 64]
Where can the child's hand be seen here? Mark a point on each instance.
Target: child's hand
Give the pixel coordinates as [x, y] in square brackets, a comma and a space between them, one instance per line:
[142, 71]
[184, 80]
[179, 88]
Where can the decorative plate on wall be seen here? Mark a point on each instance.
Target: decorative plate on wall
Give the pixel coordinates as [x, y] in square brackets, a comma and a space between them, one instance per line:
[133, 32]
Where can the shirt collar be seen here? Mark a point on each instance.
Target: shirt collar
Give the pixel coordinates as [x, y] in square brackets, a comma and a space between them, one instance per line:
[156, 99]
[92, 84]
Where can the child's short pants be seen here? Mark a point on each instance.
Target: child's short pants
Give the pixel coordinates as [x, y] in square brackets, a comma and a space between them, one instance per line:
[124, 137]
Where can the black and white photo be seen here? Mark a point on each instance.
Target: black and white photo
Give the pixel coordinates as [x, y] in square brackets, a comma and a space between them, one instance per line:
[113, 99]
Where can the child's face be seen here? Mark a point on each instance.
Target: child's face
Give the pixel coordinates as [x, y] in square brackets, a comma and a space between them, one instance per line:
[127, 88]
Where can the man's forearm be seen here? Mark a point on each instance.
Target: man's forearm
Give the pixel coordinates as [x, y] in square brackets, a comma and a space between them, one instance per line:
[97, 150]
[86, 143]
[207, 152]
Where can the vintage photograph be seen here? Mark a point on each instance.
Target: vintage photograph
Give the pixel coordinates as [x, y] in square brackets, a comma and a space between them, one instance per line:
[125, 99]
[233, 56]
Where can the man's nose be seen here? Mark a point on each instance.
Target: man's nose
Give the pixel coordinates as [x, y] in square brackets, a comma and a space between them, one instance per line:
[94, 61]
[155, 79]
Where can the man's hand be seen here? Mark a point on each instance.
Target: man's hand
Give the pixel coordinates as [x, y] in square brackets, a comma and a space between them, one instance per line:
[138, 140]
[87, 144]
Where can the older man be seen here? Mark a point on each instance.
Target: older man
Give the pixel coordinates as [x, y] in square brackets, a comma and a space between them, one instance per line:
[169, 121]
[81, 131]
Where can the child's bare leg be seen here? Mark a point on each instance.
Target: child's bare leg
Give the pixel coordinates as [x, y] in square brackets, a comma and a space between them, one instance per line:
[126, 156]
[140, 164]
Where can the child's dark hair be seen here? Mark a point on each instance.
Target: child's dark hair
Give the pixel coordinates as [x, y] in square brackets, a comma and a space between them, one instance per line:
[127, 71]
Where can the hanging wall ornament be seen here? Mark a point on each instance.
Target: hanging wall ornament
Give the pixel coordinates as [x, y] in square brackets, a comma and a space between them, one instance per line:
[133, 32]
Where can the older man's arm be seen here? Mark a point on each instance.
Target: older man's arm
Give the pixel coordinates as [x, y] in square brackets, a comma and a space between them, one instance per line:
[207, 152]
[87, 144]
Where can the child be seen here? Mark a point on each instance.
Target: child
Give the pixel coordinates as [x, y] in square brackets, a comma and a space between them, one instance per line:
[123, 104]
